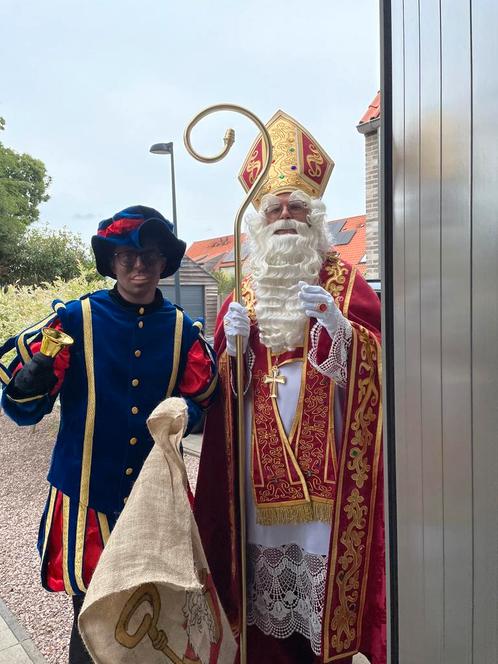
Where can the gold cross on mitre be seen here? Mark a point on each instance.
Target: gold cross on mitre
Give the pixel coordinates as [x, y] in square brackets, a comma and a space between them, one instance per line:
[274, 378]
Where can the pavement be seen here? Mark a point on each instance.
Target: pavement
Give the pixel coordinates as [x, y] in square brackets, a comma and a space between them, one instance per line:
[15, 645]
[192, 444]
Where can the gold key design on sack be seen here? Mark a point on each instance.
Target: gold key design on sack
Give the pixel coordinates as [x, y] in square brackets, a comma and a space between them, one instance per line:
[145, 593]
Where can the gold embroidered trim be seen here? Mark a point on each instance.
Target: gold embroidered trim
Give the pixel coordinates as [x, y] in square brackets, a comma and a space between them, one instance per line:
[338, 273]
[375, 353]
[378, 448]
[90, 412]
[86, 460]
[280, 514]
[65, 545]
[249, 298]
[79, 547]
[333, 554]
[201, 397]
[26, 399]
[104, 527]
[349, 292]
[4, 376]
[176, 352]
[296, 489]
[48, 520]
[22, 346]
[356, 537]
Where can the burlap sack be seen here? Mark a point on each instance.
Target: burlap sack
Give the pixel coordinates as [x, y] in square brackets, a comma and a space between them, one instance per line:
[151, 598]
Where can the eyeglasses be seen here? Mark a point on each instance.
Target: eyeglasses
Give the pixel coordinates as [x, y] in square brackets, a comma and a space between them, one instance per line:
[149, 258]
[275, 210]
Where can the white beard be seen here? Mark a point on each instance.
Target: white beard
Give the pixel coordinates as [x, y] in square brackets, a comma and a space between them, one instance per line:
[278, 263]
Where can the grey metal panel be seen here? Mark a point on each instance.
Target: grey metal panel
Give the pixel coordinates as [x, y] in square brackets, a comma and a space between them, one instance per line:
[411, 530]
[445, 198]
[455, 326]
[445, 276]
[398, 221]
[430, 329]
[485, 329]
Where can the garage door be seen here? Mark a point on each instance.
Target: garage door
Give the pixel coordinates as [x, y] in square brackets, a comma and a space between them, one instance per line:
[192, 299]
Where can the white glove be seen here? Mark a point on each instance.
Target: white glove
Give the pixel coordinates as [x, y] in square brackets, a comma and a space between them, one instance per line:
[318, 303]
[236, 322]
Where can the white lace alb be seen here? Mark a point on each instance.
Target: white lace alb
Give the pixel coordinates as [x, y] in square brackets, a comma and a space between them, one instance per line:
[286, 590]
[335, 366]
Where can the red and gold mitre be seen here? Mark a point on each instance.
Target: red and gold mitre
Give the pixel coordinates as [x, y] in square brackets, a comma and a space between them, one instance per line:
[299, 162]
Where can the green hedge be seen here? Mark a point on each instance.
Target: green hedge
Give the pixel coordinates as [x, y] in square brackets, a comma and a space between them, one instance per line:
[21, 306]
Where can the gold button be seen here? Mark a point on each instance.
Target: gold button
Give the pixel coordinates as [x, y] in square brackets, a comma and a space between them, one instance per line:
[135, 382]
[129, 471]
[140, 323]
[134, 410]
[141, 311]
[138, 353]
[125, 499]
[133, 441]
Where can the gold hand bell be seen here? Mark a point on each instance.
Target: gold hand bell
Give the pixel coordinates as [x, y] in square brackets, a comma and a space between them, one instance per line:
[53, 341]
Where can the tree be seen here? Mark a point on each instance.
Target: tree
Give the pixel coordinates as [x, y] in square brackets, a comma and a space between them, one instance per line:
[226, 282]
[23, 187]
[44, 255]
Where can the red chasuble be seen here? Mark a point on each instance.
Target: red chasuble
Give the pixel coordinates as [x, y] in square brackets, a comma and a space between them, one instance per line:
[349, 489]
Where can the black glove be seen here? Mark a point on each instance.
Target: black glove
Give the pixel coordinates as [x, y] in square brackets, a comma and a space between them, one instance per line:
[36, 377]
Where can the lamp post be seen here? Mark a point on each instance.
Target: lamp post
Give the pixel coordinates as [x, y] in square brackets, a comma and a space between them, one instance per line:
[167, 148]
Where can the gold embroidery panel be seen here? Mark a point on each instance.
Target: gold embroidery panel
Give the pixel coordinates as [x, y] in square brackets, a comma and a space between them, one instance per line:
[349, 569]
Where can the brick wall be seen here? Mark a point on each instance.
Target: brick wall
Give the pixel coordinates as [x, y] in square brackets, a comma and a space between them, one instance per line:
[372, 204]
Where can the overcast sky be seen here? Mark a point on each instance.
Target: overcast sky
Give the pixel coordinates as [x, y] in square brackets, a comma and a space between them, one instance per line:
[87, 86]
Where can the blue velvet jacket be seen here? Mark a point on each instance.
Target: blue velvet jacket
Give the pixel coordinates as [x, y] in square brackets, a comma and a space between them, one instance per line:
[124, 361]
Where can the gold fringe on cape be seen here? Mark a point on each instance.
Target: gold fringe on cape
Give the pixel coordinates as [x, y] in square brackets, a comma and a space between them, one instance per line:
[287, 514]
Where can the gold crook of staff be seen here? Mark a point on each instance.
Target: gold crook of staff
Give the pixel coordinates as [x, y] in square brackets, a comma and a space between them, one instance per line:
[229, 140]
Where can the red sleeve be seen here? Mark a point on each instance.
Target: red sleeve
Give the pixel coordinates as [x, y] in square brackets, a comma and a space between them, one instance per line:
[365, 307]
[198, 374]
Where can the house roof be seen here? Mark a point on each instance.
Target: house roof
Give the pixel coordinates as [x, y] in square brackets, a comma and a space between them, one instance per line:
[204, 251]
[349, 242]
[373, 110]
[350, 239]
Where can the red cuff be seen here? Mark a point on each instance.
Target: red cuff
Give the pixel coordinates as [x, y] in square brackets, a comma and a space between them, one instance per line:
[324, 343]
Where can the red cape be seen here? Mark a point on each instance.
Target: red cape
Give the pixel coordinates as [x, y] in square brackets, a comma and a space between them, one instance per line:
[354, 616]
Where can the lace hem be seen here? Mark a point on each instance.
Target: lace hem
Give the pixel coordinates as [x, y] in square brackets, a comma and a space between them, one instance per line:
[335, 366]
[286, 592]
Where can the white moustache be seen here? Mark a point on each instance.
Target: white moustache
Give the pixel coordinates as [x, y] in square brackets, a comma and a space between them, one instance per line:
[300, 227]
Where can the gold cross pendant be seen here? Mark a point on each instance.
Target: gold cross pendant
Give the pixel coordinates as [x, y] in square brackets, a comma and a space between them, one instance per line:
[274, 379]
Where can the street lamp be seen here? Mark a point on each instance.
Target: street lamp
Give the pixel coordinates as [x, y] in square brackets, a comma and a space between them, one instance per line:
[167, 148]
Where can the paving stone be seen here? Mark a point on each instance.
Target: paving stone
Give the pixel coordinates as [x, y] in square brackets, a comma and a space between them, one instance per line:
[7, 638]
[14, 655]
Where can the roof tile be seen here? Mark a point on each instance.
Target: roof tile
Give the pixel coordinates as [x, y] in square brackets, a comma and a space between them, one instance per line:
[373, 111]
